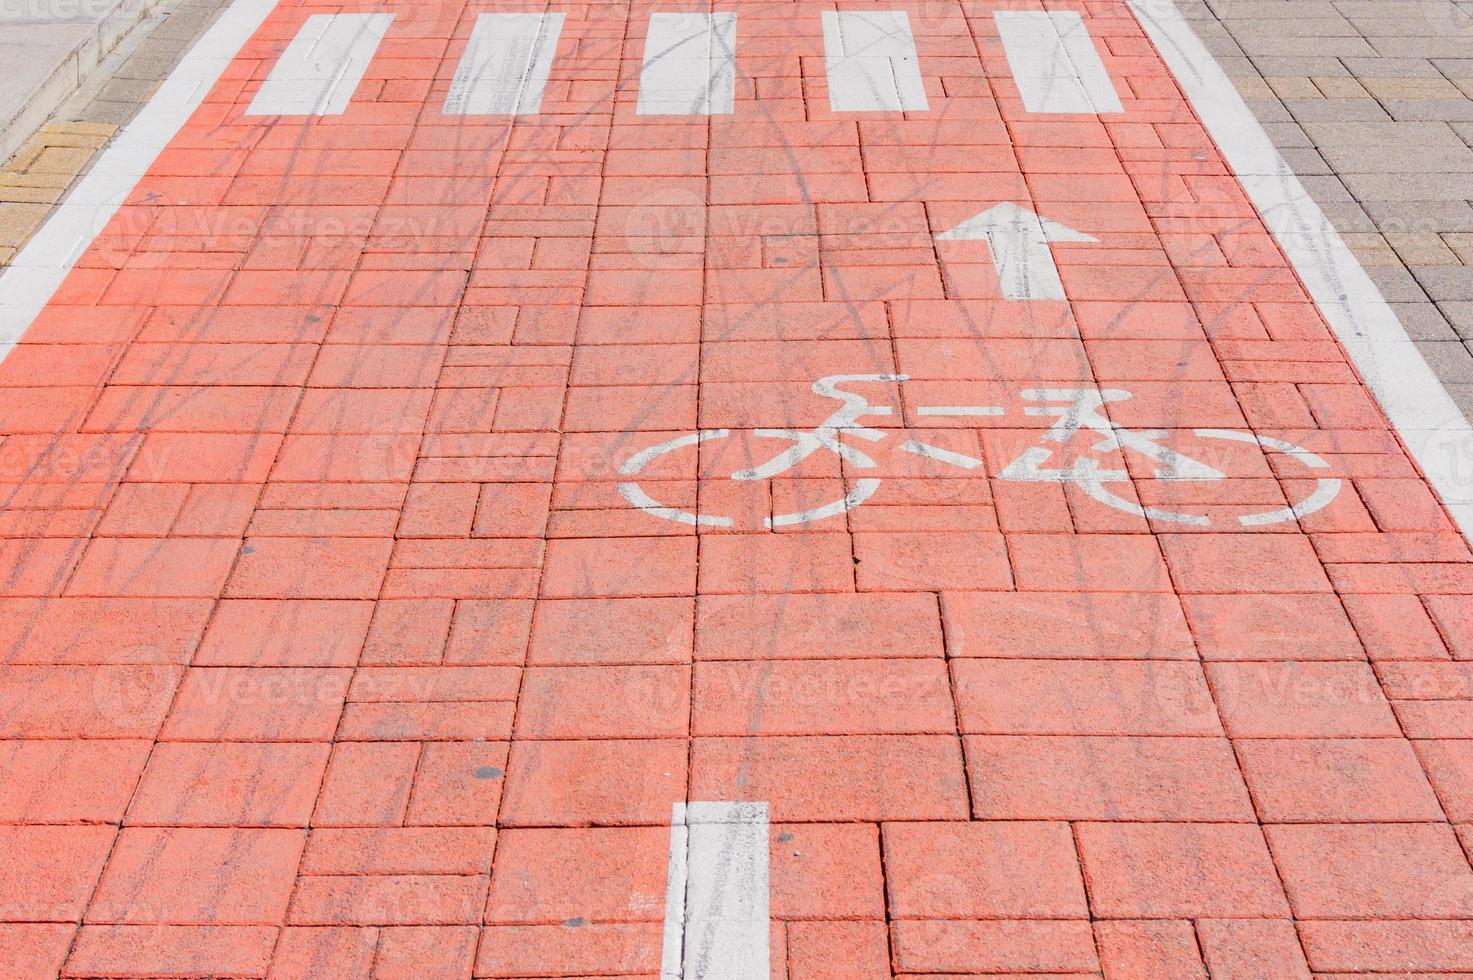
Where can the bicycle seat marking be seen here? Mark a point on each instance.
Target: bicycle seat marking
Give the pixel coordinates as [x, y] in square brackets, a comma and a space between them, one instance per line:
[1076, 410]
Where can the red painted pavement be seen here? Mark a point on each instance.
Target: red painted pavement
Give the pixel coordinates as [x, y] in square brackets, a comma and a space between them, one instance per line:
[331, 648]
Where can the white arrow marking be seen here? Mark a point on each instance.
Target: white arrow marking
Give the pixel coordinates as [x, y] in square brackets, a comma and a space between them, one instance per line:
[1019, 240]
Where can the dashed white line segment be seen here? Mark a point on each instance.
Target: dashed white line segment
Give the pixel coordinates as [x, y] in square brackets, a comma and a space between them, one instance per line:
[717, 918]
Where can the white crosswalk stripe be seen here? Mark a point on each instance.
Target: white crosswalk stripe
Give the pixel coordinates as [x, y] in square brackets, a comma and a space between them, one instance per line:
[689, 65]
[505, 65]
[1054, 62]
[322, 66]
[871, 61]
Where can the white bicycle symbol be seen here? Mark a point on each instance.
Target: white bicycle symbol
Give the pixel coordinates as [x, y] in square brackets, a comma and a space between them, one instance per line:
[1077, 409]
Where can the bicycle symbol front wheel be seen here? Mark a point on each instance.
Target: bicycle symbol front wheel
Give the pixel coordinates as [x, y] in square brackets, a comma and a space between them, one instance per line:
[636, 496]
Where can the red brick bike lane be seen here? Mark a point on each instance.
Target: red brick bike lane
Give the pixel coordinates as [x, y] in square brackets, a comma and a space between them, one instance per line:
[406, 508]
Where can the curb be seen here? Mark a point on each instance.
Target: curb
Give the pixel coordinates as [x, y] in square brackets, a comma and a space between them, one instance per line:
[71, 73]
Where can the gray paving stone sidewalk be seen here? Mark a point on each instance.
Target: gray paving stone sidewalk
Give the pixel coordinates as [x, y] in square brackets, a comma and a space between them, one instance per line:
[49, 48]
[51, 155]
[1371, 101]
[117, 97]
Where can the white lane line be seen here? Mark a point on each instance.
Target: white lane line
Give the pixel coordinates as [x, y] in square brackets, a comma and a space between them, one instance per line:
[689, 65]
[870, 58]
[320, 69]
[717, 921]
[504, 68]
[676, 875]
[1431, 425]
[1054, 62]
[37, 271]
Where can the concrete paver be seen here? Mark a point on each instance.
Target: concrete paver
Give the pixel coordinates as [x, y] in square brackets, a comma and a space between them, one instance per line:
[1401, 107]
[572, 543]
